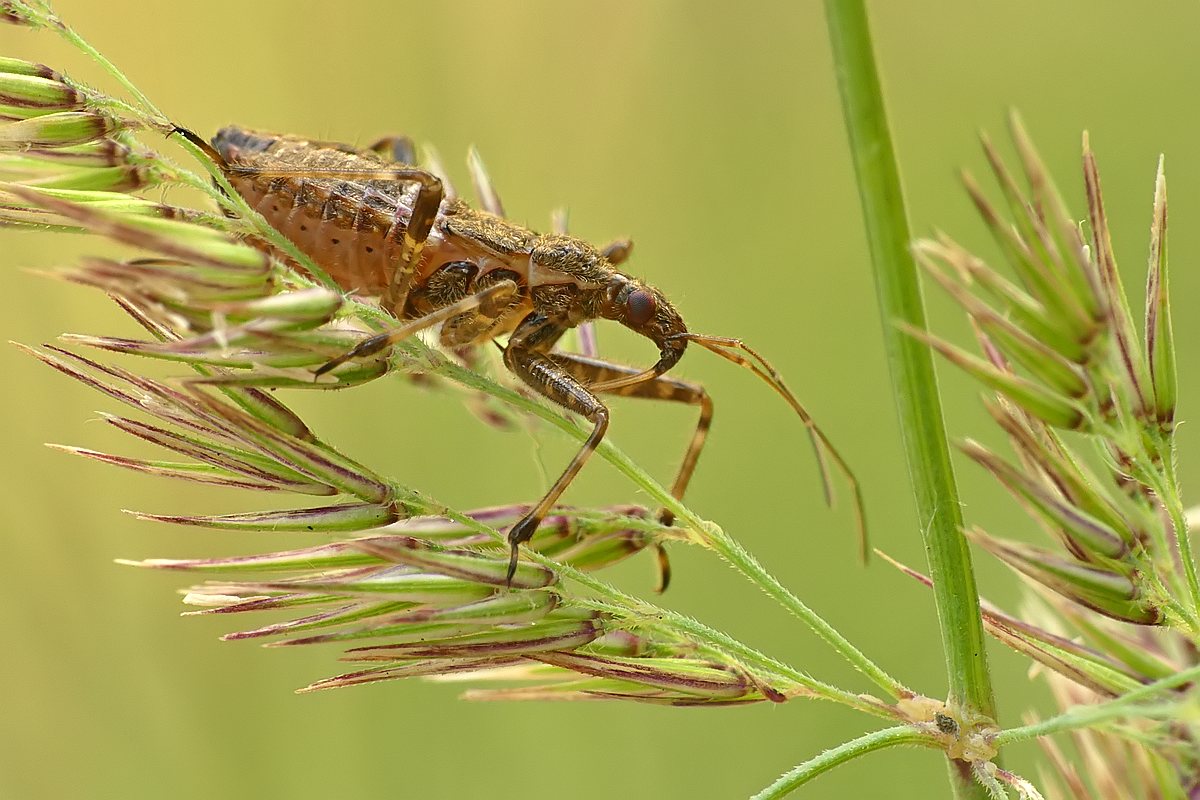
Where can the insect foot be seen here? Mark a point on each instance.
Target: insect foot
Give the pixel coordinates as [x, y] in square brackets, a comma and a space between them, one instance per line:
[518, 534]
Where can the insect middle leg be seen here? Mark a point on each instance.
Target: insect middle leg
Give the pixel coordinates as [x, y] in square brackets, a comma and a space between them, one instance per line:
[490, 302]
[664, 387]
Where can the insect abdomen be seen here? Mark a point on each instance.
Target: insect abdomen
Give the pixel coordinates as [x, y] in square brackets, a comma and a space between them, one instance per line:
[341, 225]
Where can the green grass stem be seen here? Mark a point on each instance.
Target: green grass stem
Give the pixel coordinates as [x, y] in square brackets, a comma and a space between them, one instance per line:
[819, 765]
[913, 380]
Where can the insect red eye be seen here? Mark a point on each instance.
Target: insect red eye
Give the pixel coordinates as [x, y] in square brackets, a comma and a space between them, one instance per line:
[640, 307]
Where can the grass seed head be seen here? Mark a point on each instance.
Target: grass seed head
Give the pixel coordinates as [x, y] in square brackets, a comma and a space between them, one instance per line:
[1109, 590]
[15, 12]
[59, 129]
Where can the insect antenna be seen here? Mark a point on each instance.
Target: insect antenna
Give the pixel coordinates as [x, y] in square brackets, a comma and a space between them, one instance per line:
[727, 348]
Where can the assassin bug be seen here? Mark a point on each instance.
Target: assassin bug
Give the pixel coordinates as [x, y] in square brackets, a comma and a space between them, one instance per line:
[379, 225]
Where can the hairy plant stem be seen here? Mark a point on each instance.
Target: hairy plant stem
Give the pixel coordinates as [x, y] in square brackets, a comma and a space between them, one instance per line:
[733, 552]
[1173, 589]
[819, 765]
[913, 380]
[1173, 500]
[159, 120]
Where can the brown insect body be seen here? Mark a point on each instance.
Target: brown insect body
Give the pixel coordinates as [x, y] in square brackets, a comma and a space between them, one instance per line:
[344, 226]
[379, 225]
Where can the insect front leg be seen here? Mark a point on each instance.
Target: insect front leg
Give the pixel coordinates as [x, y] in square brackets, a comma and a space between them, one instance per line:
[462, 333]
[547, 377]
[479, 324]
[618, 252]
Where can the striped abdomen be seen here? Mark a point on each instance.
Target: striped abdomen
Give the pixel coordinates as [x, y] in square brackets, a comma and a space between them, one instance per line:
[341, 224]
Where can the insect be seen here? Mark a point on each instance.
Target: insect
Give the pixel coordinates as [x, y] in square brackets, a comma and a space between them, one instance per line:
[379, 225]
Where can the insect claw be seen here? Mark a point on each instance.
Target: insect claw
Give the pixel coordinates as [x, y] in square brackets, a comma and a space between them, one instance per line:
[664, 568]
[367, 347]
[512, 566]
[521, 531]
[333, 364]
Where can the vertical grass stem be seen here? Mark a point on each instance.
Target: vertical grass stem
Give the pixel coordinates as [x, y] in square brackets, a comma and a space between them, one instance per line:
[913, 380]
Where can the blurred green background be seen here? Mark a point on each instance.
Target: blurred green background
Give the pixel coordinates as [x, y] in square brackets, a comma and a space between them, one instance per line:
[712, 135]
